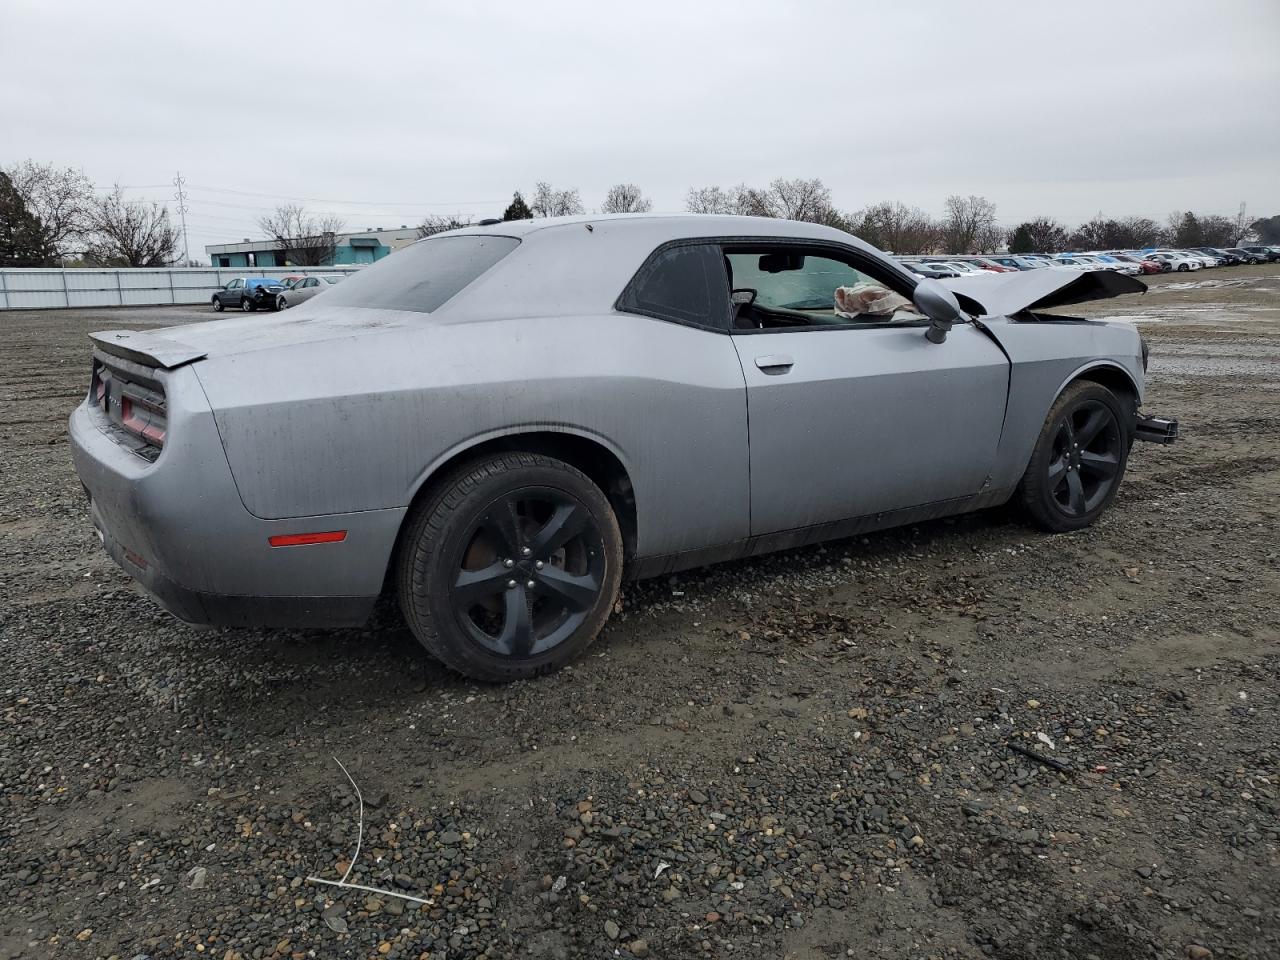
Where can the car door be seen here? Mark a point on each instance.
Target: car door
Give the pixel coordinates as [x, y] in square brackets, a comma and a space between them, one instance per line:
[309, 288]
[231, 296]
[855, 416]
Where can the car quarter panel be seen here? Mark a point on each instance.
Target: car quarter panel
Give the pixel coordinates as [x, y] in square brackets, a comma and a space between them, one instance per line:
[1047, 354]
[181, 515]
[360, 422]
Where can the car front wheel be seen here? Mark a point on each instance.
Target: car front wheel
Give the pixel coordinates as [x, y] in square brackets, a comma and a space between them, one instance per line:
[281, 303]
[217, 304]
[510, 567]
[1078, 460]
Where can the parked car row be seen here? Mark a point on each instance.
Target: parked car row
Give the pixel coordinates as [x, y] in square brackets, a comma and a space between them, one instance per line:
[271, 293]
[1130, 262]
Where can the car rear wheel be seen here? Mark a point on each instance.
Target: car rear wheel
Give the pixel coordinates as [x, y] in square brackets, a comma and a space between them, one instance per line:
[510, 567]
[247, 305]
[217, 304]
[1079, 459]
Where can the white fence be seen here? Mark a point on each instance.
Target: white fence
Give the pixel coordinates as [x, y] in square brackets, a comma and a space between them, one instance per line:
[43, 289]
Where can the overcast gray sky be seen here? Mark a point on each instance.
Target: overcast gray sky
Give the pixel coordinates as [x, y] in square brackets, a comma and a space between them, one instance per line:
[384, 112]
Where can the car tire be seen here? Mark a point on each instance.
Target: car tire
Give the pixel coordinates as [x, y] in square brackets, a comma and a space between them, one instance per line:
[217, 305]
[247, 305]
[510, 566]
[1079, 458]
[1183, 267]
[281, 303]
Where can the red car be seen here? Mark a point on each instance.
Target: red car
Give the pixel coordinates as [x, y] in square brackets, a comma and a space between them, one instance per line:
[987, 264]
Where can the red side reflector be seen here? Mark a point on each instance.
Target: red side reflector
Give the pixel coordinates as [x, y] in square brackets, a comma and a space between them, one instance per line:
[303, 539]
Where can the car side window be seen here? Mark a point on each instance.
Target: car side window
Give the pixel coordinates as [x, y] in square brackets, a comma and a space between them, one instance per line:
[788, 288]
[234, 284]
[684, 283]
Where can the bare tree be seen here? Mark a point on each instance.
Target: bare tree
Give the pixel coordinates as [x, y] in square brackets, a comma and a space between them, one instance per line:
[800, 199]
[707, 200]
[61, 198]
[895, 227]
[969, 225]
[626, 198]
[304, 239]
[130, 233]
[549, 202]
[434, 223]
[740, 200]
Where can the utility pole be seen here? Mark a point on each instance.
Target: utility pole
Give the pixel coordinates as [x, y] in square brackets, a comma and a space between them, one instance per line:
[181, 197]
[1240, 225]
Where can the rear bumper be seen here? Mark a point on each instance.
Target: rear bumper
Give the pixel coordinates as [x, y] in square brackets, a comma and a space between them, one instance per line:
[232, 610]
[179, 528]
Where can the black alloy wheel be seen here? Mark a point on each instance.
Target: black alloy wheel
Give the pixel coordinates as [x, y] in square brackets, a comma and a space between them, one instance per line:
[529, 572]
[510, 566]
[1085, 463]
[1079, 458]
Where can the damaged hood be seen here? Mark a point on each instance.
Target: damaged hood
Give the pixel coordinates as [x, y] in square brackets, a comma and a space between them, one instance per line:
[1005, 294]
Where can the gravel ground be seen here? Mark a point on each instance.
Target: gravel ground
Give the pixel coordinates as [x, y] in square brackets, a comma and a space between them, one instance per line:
[809, 755]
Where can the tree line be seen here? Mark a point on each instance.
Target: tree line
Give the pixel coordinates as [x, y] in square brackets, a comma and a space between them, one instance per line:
[47, 213]
[968, 225]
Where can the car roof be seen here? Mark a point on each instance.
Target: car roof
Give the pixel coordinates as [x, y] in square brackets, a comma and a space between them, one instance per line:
[579, 265]
[676, 225]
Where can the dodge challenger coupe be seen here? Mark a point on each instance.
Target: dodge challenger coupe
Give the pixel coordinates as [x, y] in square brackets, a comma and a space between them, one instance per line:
[498, 422]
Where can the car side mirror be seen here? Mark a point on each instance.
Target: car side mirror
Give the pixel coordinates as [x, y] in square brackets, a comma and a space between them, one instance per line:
[938, 304]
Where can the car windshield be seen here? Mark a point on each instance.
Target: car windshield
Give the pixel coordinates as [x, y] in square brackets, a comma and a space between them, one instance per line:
[424, 275]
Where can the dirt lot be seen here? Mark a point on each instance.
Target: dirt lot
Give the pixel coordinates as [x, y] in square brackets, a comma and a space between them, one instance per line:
[799, 756]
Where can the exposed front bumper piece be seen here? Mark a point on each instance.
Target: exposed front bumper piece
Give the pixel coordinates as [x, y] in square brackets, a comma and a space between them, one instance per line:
[1155, 429]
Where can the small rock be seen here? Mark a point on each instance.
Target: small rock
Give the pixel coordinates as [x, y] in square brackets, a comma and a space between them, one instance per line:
[1197, 952]
[451, 838]
[639, 948]
[197, 877]
[697, 796]
[611, 930]
[335, 923]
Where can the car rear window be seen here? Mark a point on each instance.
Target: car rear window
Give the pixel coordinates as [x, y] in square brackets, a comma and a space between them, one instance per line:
[423, 276]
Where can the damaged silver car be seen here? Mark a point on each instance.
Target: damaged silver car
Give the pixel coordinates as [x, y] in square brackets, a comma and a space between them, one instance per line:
[499, 423]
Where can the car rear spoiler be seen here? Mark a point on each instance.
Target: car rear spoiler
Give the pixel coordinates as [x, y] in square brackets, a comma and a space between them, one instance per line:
[149, 348]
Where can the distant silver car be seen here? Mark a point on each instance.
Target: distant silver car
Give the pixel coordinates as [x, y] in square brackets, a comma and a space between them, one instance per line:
[303, 289]
[496, 422]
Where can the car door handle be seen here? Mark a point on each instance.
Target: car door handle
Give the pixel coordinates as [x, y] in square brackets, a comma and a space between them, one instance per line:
[775, 363]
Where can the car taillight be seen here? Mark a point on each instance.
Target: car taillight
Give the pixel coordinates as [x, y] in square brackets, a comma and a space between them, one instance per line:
[143, 418]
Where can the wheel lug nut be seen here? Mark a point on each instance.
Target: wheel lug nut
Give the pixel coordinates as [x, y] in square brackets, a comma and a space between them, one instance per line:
[511, 584]
[530, 584]
[525, 551]
[508, 564]
[537, 565]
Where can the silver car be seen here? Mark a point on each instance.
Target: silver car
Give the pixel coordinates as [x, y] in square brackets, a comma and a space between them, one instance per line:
[501, 422]
[304, 288]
